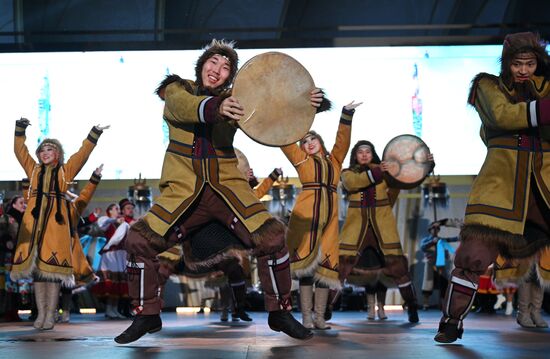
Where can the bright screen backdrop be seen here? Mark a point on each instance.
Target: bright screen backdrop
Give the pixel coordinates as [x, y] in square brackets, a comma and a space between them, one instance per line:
[418, 90]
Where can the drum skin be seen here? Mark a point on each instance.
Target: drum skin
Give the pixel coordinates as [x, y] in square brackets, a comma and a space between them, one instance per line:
[274, 90]
[407, 158]
[243, 164]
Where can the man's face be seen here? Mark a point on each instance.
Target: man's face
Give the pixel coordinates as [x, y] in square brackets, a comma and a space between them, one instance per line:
[215, 71]
[523, 66]
[128, 211]
[48, 154]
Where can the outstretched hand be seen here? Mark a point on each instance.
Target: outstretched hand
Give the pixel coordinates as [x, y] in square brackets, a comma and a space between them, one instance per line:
[98, 170]
[352, 105]
[23, 122]
[316, 97]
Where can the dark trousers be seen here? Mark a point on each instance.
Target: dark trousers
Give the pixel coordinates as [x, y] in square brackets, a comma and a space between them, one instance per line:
[270, 249]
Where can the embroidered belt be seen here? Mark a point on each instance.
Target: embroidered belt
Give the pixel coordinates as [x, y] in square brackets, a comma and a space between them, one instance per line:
[318, 186]
[185, 150]
[520, 142]
[361, 204]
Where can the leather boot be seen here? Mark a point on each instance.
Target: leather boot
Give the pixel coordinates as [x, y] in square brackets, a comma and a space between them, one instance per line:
[224, 316]
[225, 302]
[274, 273]
[40, 298]
[537, 295]
[52, 300]
[449, 332]
[371, 303]
[333, 295]
[65, 307]
[320, 305]
[509, 308]
[283, 321]
[524, 313]
[381, 299]
[239, 302]
[12, 304]
[306, 304]
[500, 301]
[458, 300]
[141, 325]
[409, 296]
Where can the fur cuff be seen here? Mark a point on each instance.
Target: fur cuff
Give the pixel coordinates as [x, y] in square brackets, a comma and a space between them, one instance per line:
[270, 237]
[509, 245]
[196, 264]
[156, 240]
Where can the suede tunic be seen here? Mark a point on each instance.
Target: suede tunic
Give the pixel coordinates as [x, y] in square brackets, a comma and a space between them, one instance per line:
[516, 154]
[200, 152]
[44, 246]
[313, 227]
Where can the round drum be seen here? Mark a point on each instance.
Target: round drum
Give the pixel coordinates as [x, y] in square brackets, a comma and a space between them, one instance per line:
[243, 164]
[274, 90]
[407, 157]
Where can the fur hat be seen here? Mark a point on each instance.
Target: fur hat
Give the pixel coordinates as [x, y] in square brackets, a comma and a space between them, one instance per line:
[523, 42]
[219, 47]
[53, 143]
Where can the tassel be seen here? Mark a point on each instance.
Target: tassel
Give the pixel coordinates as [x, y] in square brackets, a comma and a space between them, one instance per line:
[40, 192]
[59, 218]
[58, 215]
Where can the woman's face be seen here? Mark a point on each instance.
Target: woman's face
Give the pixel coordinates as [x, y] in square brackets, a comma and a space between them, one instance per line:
[48, 154]
[20, 204]
[364, 155]
[311, 145]
[114, 212]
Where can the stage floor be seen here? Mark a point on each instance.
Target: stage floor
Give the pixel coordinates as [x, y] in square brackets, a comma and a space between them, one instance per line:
[203, 336]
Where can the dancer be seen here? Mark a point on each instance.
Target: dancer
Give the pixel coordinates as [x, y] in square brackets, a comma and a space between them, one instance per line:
[83, 272]
[112, 267]
[44, 241]
[10, 296]
[370, 222]
[507, 211]
[522, 276]
[200, 183]
[313, 225]
[437, 251]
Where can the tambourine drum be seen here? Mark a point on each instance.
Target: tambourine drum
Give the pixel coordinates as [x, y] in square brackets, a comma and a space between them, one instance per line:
[274, 90]
[243, 164]
[407, 157]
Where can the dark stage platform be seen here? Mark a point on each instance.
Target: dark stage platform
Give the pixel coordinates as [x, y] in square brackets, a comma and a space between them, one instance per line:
[203, 336]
